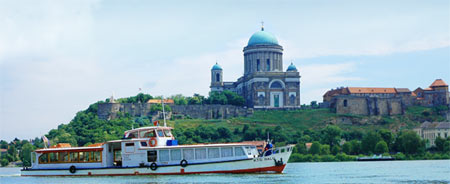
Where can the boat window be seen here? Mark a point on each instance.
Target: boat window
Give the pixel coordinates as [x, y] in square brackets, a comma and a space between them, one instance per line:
[148, 134]
[129, 147]
[160, 133]
[73, 156]
[164, 155]
[43, 158]
[117, 155]
[97, 156]
[175, 155]
[238, 151]
[64, 156]
[84, 156]
[283, 150]
[188, 154]
[143, 143]
[53, 157]
[200, 153]
[133, 135]
[151, 156]
[227, 152]
[167, 133]
[213, 153]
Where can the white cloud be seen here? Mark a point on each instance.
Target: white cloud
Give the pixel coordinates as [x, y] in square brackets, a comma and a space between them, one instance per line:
[366, 47]
[317, 77]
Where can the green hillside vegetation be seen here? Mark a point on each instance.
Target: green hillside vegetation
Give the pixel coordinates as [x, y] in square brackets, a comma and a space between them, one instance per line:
[361, 134]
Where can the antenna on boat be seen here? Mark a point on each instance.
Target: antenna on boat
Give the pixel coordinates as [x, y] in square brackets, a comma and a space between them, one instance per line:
[268, 139]
[164, 112]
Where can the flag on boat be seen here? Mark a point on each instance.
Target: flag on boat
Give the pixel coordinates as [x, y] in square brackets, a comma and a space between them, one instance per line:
[46, 142]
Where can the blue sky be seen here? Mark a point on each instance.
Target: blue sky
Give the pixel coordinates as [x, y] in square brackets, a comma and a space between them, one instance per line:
[57, 57]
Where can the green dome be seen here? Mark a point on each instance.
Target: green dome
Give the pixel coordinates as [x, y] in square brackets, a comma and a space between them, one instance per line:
[262, 38]
[216, 67]
[292, 67]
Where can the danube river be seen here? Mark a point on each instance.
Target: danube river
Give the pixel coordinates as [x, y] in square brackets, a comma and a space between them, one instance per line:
[430, 171]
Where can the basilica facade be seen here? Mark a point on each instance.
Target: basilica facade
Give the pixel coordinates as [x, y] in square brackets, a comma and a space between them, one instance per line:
[264, 84]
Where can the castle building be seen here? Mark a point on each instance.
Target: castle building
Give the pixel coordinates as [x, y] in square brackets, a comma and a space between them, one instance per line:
[264, 83]
[430, 131]
[384, 101]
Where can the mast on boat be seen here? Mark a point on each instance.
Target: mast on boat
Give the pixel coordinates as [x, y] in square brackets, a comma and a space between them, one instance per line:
[164, 112]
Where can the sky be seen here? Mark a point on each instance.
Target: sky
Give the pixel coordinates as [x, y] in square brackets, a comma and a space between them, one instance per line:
[57, 57]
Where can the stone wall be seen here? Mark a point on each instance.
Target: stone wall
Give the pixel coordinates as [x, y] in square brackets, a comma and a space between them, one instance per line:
[368, 105]
[110, 110]
[211, 111]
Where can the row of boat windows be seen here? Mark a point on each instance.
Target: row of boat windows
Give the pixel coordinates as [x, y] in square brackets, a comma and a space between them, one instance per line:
[150, 133]
[194, 154]
[70, 157]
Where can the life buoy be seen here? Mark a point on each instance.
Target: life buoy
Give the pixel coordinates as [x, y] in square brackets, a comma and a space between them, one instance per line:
[153, 166]
[152, 142]
[183, 163]
[72, 169]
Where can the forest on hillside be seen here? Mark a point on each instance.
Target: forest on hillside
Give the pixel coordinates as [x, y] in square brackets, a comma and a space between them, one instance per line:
[330, 140]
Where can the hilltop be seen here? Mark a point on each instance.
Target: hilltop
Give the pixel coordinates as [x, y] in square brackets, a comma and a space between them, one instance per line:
[86, 128]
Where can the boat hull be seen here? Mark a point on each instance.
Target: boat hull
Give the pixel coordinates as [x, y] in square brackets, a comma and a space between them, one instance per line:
[270, 164]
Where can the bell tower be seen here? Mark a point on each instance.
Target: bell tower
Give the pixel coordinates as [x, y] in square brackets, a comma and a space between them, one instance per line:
[216, 78]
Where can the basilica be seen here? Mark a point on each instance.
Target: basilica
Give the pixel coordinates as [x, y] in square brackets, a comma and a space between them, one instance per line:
[264, 83]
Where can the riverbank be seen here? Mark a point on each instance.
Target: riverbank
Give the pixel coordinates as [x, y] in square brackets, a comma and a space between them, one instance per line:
[342, 157]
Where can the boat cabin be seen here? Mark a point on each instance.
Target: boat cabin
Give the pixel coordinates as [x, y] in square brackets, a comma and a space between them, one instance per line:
[143, 147]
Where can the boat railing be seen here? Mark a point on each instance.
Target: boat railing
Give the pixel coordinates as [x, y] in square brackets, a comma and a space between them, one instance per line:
[274, 151]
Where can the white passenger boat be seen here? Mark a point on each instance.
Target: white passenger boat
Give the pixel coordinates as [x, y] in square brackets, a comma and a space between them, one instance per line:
[154, 151]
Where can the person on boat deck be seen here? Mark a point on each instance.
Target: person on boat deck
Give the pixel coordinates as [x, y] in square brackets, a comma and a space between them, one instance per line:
[268, 150]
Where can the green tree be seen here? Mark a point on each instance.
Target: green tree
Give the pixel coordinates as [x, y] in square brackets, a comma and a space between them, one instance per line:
[410, 143]
[331, 135]
[387, 136]
[356, 147]
[301, 148]
[335, 150]
[369, 141]
[347, 148]
[25, 154]
[381, 147]
[197, 99]
[4, 162]
[439, 143]
[12, 151]
[179, 99]
[3, 144]
[325, 149]
[315, 148]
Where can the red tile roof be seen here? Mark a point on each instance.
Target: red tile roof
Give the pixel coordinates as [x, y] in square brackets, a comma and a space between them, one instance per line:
[371, 90]
[438, 83]
[158, 101]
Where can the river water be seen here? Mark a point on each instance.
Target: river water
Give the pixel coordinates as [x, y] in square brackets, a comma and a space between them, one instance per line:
[430, 171]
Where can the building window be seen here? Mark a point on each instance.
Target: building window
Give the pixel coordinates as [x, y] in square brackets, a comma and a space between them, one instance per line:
[292, 99]
[268, 65]
[345, 103]
[261, 99]
[276, 85]
[258, 65]
[217, 77]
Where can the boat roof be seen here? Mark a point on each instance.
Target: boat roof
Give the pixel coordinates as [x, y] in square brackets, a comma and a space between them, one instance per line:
[149, 128]
[69, 149]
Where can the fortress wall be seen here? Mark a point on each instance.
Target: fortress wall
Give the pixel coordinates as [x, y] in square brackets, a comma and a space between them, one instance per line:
[359, 105]
[109, 110]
